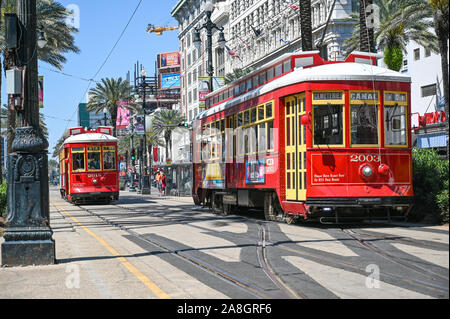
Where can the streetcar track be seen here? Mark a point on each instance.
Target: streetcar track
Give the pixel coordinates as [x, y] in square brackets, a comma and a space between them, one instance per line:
[279, 282]
[285, 291]
[394, 259]
[255, 291]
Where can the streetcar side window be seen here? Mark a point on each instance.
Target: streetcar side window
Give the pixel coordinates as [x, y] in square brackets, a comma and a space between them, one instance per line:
[395, 127]
[395, 118]
[109, 158]
[78, 159]
[93, 158]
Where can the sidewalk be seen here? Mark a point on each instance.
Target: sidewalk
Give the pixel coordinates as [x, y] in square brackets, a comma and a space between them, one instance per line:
[154, 194]
[94, 260]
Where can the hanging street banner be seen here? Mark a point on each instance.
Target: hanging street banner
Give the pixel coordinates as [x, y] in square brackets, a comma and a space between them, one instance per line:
[41, 91]
[203, 88]
[139, 126]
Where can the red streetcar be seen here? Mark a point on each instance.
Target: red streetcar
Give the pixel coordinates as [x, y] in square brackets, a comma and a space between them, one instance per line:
[88, 166]
[303, 137]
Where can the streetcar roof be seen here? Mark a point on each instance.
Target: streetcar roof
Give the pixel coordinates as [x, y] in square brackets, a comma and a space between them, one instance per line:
[349, 71]
[89, 138]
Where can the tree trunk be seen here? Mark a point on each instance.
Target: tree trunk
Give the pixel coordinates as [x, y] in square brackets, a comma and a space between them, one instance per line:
[306, 25]
[366, 37]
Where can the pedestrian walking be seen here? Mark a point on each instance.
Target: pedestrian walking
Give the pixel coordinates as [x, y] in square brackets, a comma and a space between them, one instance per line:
[163, 184]
[158, 181]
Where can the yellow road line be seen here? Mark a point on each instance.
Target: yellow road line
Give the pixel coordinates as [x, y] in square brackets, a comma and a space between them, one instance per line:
[143, 278]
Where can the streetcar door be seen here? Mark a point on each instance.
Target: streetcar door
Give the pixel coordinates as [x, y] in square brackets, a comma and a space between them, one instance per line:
[295, 141]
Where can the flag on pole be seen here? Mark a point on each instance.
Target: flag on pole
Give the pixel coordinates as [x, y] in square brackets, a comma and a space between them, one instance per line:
[231, 52]
[246, 45]
[291, 5]
[256, 31]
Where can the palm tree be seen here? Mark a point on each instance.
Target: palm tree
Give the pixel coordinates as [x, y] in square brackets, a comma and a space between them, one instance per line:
[441, 27]
[236, 74]
[106, 95]
[400, 22]
[164, 123]
[51, 17]
[366, 38]
[306, 25]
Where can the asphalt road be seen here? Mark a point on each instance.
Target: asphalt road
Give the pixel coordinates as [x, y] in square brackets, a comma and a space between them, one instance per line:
[152, 247]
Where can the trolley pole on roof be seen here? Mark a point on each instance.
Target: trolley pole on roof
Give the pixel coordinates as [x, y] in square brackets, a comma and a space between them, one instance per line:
[28, 236]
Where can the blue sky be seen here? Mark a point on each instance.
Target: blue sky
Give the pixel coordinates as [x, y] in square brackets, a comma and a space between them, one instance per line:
[101, 23]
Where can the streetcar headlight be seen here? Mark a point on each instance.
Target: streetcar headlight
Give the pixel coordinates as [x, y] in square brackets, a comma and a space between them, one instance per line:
[94, 181]
[367, 171]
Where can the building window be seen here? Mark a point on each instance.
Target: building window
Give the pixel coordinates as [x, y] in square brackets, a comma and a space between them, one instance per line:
[427, 52]
[416, 54]
[428, 90]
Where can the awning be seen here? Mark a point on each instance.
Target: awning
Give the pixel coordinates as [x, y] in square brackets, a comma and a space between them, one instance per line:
[432, 140]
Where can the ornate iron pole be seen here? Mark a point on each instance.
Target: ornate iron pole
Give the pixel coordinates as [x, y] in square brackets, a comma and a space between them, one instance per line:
[28, 236]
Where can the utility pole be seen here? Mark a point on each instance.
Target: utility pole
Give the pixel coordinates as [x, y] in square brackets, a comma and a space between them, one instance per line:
[28, 236]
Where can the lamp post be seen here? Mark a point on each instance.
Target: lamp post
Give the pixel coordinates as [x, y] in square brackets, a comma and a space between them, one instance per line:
[104, 115]
[145, 85]
[209, 26]
[28, 236]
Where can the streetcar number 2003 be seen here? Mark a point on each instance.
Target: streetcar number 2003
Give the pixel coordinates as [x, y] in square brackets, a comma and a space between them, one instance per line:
[365, 158]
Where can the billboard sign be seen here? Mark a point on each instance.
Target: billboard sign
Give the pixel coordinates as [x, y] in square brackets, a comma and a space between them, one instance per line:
[170, 81]
[123, 114]
[169, 60]
[203, 88]
[41, 91]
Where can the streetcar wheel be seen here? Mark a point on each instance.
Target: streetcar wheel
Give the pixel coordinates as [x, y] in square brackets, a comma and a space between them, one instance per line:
[269, 208]
[226, 209]
[289, 219]
[216, 204]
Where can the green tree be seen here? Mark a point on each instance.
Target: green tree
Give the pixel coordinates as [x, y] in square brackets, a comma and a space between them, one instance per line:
[165, 122]
[401, 21]
[107, 94]
[441, 27]
[236, 74]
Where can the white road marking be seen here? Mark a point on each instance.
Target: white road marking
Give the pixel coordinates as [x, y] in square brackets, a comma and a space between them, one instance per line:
[316, 239]
[196, 238]
[415, 234]
[437, 257]
[349, 285]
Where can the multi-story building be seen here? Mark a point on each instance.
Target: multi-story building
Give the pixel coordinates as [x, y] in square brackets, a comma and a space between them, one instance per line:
[427, 91]
[263, 30]
[92, 120]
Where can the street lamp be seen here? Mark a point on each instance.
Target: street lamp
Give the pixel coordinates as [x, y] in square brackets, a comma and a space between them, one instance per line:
[144, 85]
[104, 114]
[209, 26]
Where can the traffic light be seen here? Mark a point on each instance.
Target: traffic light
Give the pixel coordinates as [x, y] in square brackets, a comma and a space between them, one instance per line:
[184, 124]
[133, 154]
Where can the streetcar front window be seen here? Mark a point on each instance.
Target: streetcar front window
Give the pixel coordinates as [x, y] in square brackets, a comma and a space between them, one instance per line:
[364, 124]
[93, 158]
[328, 125]
[78, 159]
[109, 158]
